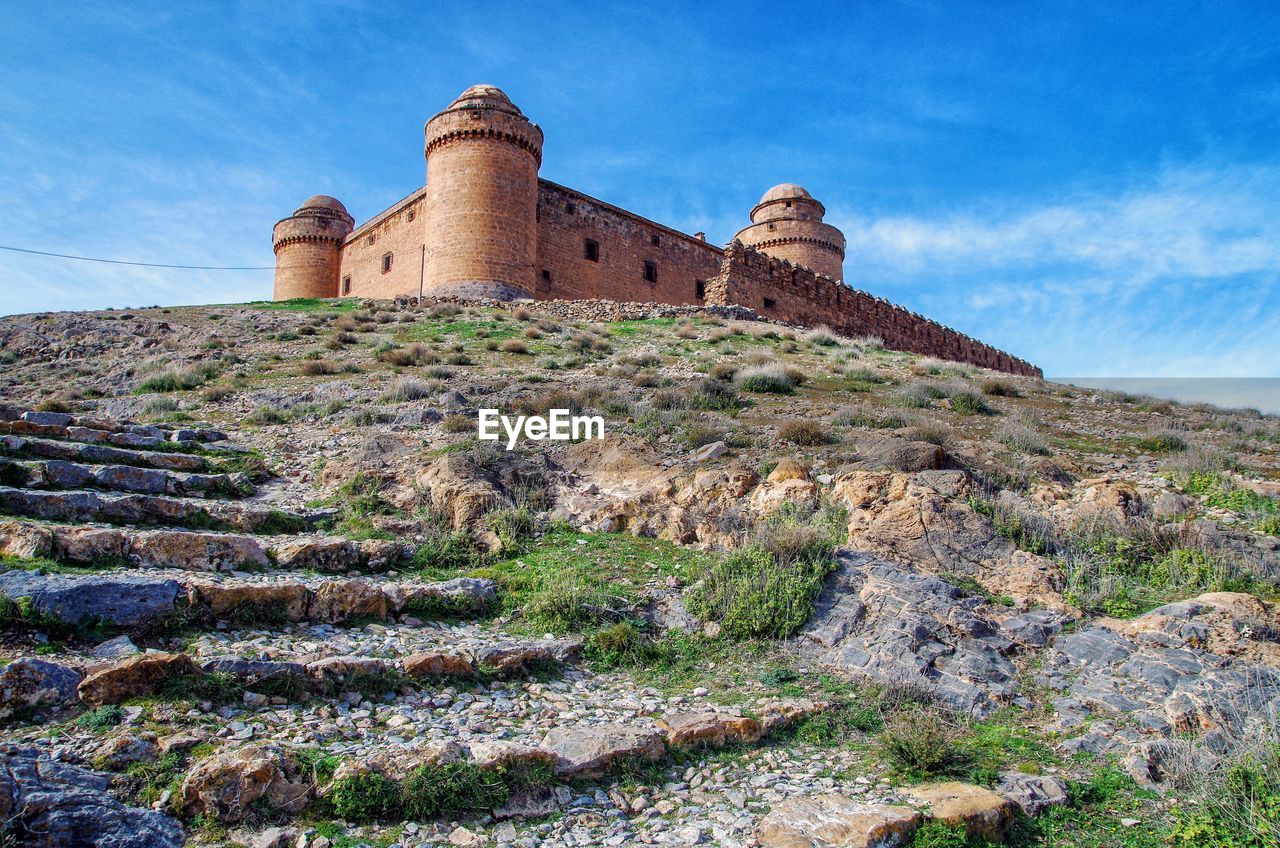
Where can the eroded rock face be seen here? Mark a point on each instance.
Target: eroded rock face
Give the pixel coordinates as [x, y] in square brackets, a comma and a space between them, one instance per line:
[48, 804]
[196, 551]
[134, 678]
[925, 520]
[983, 813]
[337, 600]
[437, 665]
[460, 489]
[834, 821]
[225, 785]
[1033, 793]
[501, 752]
[887, 621]
[1200, 667]
[31, 682]
[522, 656]
[588, 750]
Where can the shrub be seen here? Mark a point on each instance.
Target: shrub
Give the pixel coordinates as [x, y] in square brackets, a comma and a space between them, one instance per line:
[968, 402]
[766, 588]
[698, 435]
[512, 526]
[214, 394]
[267, 414]
[724, 371]
[102, 718]
[1000, 388]
[318, 367]
[669, 399]
[366, 795]
[619, 645]
[915, 396]
[514, 346]
[408, 389]
[1021, 438]
[1163, 441]
[805, 433]
[766, 379]
[456, 424]
[919, 746]
[713, 394]
[822, 337]
[177, 380]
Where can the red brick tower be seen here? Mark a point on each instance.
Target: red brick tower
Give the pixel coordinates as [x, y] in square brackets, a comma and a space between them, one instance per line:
[787, 224]
[308, 249]
[482, 197]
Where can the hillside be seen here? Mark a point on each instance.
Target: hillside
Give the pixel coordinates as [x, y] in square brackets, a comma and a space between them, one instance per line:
[260, 572]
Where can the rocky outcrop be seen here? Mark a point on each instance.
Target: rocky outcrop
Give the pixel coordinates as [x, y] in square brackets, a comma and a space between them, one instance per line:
[925, 519]
[1197, 668]
[709, 729]
[49, 804]
[888, 621]
[134, 678]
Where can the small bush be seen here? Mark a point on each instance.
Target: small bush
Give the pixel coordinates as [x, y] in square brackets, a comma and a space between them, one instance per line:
[408, 389]
[512, 526]
[1163, 441]
[919, 746]
[514, 346]
[968, 402]
[457, 424]
[267, 414]
[1021, 438]
[365, 796]
[318, 367]
[804, 433]
[714, 394]
[1000, 388]
[177, 380]
[914, 396]
[766, 379]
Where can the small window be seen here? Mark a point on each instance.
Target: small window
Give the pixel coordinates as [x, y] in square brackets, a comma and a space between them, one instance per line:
[373, 237]
[346, 284]
[591, 250]
[650, 272]
[655, 240]
[769, 303]
[386, 263]
[413, 213]
[570, 209]
[546, 280]
[475, 113]
[772, 227]
[788, 204]
[700, 288]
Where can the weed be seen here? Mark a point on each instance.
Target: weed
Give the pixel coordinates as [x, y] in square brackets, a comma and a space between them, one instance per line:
[806, 433]
[919, 745]
[766, 379]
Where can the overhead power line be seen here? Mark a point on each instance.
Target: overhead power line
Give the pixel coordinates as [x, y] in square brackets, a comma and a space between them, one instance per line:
[140, 264]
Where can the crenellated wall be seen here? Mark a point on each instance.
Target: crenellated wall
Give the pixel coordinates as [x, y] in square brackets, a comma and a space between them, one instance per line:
[777, 289]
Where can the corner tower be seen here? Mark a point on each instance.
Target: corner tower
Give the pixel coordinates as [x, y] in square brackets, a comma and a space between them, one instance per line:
[787, 224]
[308, 248]
[482, 197]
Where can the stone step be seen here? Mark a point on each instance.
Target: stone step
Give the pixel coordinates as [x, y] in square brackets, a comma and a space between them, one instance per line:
[193, 550]
[136, 603]
[40, 448]
[152, 510]
[62, 474]
[94, 430]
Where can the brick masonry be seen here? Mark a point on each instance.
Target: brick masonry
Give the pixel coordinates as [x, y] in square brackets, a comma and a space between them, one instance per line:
[486, 226]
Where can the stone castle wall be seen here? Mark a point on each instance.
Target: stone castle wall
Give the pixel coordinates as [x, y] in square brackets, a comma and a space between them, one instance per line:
[624, 243]
[779, 290]
[399, 231]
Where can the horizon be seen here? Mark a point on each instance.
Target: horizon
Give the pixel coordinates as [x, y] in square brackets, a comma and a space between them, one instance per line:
[1098, 193]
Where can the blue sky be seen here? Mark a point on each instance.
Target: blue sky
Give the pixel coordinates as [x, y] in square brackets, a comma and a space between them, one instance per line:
[1092, 186]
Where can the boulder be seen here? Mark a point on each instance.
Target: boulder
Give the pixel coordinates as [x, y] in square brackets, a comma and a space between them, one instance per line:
[897, 454]
[117, 648]
[778, 713]
[255, 672]
[463, 594]
[326, 555]
[835, 821]
[89, 545]
[228, 784]
[49, 804]
[522, 656]
[1033, 793]
[120, 752]
[28, 682]
[124, 601]
[984, 814]
[135, 677]
[886, 621]
[589, 750]
[709, 729]
[434, 664]
[399, 762]
[460, 489]
[248, 600]
[334, 670]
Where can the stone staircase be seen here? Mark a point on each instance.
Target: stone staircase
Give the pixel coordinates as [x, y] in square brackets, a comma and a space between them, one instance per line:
[139, 571]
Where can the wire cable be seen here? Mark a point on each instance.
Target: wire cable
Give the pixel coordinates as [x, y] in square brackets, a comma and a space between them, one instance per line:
[141, 264]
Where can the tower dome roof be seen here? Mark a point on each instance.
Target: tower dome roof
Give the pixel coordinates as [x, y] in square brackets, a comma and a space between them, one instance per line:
[785, 191]
[485, 96]
[324, 201]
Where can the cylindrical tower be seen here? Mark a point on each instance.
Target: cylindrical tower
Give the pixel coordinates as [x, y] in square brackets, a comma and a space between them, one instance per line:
[787, 224]
[308, 249]
[482, 197]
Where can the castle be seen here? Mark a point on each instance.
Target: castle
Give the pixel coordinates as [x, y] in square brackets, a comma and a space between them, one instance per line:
[485, 225]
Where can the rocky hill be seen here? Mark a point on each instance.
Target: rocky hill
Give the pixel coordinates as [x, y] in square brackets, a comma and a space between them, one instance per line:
[263, 585]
